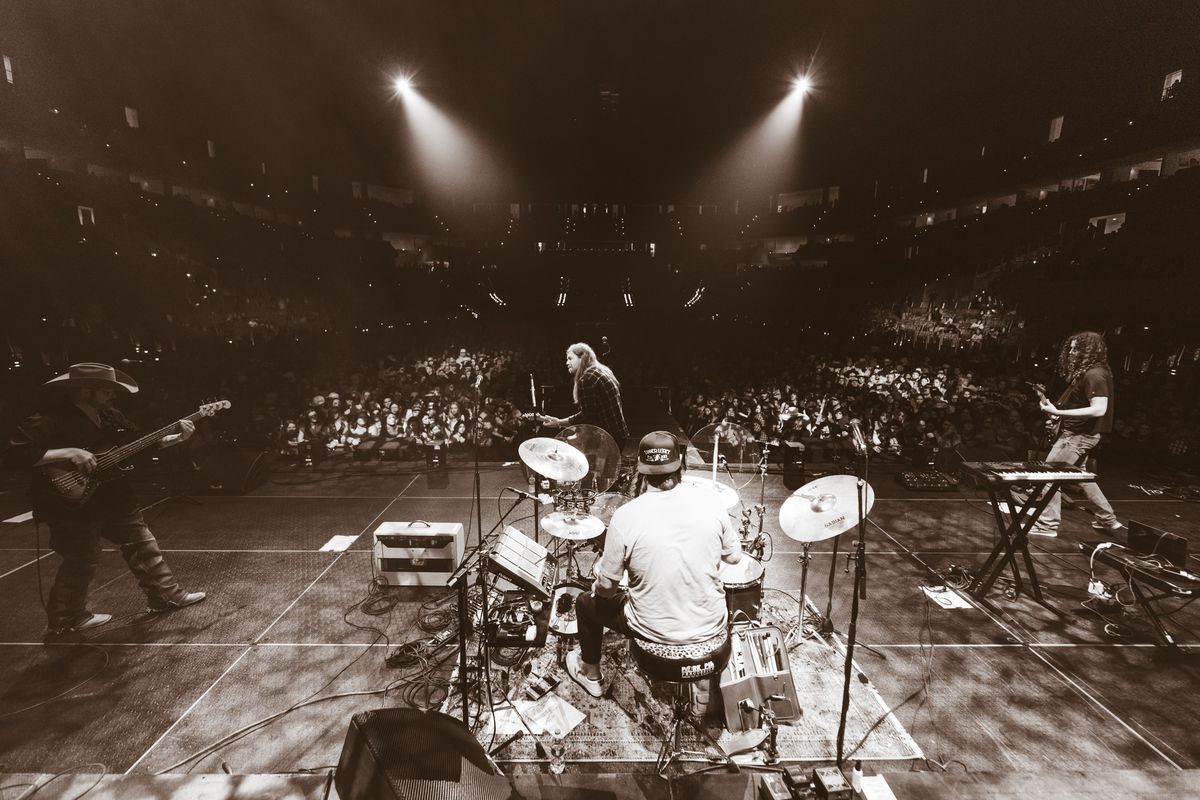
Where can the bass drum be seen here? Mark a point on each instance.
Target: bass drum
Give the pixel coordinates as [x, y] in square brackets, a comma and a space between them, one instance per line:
[743, 586]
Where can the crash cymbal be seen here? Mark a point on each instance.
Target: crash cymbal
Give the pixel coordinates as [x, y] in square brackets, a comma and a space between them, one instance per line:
[600, 449]
[553, 459]
[726, 494]
[571, 526]
[606, 504]
[823, 508]
[726, 441]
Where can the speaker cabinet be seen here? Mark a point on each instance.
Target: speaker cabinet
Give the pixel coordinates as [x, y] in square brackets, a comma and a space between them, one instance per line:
[227, 469]
[394, 753]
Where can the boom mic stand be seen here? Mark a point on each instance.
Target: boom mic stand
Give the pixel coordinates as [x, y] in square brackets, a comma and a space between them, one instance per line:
[475, 558]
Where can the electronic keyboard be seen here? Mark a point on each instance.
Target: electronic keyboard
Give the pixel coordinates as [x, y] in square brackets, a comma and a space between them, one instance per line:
[1027, 472]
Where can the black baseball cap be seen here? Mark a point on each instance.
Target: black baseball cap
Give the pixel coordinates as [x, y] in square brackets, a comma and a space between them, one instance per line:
[658, 454]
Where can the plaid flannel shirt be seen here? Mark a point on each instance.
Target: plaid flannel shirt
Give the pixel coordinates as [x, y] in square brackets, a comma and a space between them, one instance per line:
[600, 405]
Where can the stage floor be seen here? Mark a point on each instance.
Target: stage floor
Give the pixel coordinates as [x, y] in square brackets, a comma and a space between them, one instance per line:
[1012, 688]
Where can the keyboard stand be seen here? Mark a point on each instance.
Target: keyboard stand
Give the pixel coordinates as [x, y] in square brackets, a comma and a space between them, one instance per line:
[1014, 537]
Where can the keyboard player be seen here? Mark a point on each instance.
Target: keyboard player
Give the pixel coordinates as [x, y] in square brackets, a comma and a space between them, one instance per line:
[1085, 409]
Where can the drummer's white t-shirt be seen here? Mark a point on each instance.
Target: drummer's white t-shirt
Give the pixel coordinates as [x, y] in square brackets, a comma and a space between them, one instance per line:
[671, 543]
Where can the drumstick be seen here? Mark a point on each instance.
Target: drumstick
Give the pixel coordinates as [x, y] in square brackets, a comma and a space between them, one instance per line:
[716, 441]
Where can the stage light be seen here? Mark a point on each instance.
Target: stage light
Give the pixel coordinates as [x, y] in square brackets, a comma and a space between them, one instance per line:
[802, 84]
[402, 84]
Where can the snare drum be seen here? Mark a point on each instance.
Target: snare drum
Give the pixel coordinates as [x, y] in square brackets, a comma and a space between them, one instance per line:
[743, 586]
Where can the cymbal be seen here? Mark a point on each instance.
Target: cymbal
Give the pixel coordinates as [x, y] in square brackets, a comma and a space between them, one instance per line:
[572, 527]
[823, 508]
[601, 451]
[606, 504]
[726, 494]
[553, 459]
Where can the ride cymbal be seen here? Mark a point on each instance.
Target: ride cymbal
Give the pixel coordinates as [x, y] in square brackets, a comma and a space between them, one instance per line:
[823, 508]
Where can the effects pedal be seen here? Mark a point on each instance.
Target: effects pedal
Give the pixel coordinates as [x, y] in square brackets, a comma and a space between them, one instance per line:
[772, 787]
[831, 784]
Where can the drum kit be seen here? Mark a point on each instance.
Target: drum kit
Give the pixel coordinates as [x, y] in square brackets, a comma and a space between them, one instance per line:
[583, 462]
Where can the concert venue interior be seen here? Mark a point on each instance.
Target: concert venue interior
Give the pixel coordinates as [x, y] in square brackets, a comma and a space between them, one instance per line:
[831, 248]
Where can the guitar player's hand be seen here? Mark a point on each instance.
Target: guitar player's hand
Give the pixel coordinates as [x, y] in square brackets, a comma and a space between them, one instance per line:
[79, 458]
[186, 429]
[1048, 407]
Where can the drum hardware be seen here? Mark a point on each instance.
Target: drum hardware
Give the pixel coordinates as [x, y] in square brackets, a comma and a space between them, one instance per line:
[822, 509]
[573, 529]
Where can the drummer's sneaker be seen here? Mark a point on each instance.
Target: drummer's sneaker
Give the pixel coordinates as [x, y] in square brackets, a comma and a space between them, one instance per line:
[575, 669]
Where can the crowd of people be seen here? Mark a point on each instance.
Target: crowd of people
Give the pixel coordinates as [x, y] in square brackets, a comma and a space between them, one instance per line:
[908, 405]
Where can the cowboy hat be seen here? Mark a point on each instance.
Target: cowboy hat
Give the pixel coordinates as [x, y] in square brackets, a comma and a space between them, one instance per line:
[94, 376]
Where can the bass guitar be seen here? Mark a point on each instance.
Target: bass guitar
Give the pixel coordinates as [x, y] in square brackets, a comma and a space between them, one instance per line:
[77, 487]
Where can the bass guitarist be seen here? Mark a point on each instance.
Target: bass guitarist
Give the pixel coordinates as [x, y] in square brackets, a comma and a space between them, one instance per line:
[1086, 413]
[79, 421]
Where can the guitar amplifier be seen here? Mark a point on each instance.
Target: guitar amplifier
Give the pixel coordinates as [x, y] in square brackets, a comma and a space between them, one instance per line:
[417, 553]
[759, 673]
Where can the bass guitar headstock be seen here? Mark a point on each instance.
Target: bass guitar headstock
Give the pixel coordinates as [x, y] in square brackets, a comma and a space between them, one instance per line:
[209, 409]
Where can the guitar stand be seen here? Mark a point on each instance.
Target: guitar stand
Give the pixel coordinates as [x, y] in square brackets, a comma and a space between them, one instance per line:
[1014, 537]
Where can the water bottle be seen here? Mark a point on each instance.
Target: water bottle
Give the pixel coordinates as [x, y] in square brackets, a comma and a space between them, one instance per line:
[558, 761]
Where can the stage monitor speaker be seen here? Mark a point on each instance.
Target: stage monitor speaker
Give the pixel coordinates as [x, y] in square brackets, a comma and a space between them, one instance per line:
[406, 754]
[230, 469]
[793, 465]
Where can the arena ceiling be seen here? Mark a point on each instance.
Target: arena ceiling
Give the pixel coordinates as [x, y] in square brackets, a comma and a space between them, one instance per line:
[624, 99]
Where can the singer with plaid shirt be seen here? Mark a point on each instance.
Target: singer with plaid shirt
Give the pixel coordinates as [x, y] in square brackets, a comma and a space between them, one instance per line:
[597, 395]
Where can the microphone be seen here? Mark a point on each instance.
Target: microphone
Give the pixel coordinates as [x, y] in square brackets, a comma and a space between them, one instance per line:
[856, 435]
[524, 494]
[132, 361]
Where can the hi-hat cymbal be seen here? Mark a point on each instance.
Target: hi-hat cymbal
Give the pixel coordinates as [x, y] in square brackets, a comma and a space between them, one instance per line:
[571, 526]
[726, 494]
[553, 459]
[823, 508]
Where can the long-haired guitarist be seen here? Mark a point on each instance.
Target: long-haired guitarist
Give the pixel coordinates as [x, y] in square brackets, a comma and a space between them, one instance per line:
[1085, 410]
[597, 395]
[80, 495]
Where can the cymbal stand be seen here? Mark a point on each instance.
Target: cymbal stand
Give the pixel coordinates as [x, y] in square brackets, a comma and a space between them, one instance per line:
[860, 589]
[802, 611]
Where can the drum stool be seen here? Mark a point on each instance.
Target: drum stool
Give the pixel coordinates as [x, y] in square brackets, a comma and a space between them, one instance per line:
[681, 665]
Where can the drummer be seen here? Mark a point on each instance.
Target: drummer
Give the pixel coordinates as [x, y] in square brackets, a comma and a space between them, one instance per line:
[597, 395]
[672, 540]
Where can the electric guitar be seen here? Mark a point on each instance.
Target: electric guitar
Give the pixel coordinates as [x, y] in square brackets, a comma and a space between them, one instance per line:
[1052, 427]
[77, 487]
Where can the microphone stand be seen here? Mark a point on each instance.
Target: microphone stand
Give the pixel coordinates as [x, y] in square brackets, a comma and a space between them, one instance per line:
[477, 492]
[475, 557]
[860, 589]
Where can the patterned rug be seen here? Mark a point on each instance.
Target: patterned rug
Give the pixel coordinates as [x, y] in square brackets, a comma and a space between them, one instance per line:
[627, 723]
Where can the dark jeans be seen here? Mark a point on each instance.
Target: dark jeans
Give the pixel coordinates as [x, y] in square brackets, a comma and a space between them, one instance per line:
[594, 614]
[77, 540]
